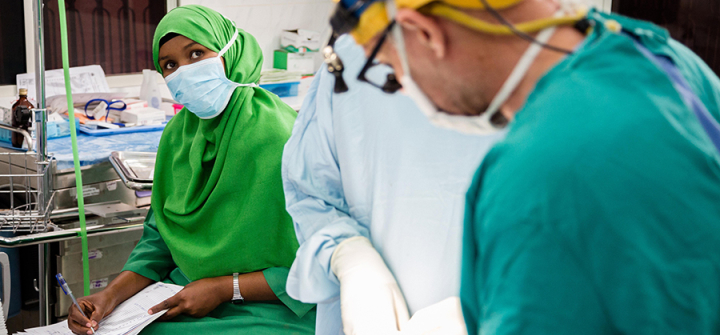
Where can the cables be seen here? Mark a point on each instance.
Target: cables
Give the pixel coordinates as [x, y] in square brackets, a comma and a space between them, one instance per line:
[519, 33]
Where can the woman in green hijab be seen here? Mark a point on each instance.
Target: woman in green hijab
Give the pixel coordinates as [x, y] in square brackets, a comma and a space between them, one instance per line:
[218, 224]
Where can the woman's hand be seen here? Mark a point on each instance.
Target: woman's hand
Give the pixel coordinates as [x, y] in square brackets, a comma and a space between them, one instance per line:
[197, 299]
[95, 306]
[99, 305]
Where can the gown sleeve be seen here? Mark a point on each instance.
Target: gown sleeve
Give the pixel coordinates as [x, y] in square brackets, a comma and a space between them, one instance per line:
[151, 257]
[528, 282]
[276, 278]
[315, 197]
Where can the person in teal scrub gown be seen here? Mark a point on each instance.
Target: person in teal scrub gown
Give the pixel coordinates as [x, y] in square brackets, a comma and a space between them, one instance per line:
[599, 213]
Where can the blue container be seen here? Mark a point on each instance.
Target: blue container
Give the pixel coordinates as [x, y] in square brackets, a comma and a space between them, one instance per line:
[283, 90]
[5, 135]
[55, 129]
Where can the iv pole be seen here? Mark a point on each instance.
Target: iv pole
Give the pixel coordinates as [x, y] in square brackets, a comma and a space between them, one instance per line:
[43, 249]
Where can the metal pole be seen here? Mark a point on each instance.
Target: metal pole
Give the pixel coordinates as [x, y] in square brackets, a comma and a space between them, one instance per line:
[40, 112]
[43, 249]
[39, 54]
[43, 274]
[43, 166]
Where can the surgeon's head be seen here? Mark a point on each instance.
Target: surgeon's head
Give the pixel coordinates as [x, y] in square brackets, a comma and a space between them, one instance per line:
[455, 55]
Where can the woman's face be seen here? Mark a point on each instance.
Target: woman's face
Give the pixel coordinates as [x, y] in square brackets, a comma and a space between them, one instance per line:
[180, 51]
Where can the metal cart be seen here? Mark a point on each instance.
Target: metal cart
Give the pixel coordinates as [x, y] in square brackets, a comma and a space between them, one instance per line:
[40, 196]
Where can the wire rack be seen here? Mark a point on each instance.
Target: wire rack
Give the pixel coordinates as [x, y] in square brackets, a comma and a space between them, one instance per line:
[22, 189]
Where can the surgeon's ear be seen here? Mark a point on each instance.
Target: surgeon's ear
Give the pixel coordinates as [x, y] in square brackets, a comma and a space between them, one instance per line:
[425, 29]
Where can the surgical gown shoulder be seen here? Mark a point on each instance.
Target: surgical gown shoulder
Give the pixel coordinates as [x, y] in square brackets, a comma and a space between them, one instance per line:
[607, 165]
[592, 113]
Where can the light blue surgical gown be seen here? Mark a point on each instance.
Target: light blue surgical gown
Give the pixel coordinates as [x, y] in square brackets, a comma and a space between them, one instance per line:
[366, 163]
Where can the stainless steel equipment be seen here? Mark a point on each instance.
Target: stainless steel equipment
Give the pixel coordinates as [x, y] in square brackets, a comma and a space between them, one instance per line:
[111, 208]
[107, 254]
[41, 207]
[26, 208]
[136, 169]
[101, 185]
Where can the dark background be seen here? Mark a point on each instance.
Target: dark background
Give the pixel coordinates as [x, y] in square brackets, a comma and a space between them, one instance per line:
[695, 23]
[12, 41]
[115, 34]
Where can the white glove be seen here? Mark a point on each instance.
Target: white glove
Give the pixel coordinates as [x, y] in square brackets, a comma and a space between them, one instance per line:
[370, 299]
[442, 318]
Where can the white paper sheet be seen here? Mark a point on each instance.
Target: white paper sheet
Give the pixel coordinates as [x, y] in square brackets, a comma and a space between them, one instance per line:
[60, 328]
[83, 79]
[129, 318]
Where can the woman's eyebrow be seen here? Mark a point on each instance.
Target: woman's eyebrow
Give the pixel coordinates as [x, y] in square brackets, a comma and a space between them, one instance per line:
[189, 45]
[184, 48]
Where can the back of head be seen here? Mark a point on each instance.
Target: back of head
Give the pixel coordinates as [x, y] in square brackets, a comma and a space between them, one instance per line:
[372, 15]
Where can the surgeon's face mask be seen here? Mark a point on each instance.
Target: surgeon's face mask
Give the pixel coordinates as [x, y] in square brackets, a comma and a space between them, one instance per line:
[203, 87]
[474, 125]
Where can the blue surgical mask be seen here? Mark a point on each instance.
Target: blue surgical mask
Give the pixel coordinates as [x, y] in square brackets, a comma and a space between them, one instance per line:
[203, 87]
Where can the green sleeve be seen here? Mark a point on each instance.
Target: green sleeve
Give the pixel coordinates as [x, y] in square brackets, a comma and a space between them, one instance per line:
[151, 257]
[277, 278]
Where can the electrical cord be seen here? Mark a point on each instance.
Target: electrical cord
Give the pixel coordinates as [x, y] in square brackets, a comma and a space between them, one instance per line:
[519, 33]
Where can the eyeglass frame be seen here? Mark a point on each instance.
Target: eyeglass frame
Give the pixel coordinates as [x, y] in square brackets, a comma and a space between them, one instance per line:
[391, 84]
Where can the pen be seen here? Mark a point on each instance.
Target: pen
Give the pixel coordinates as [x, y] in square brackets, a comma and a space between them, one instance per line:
[64, 286]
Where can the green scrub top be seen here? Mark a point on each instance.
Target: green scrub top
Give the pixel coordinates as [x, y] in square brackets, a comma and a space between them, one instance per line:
[151, 258]
[600, 211]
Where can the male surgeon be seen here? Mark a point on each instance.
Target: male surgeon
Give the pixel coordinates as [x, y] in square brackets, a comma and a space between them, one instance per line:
[599, 212]
[377, 195]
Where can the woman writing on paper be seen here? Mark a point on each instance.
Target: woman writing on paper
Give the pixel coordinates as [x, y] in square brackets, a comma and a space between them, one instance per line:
[218, 212]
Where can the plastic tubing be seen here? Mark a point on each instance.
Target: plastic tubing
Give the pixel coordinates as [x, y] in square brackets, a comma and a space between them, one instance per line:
[73, 138]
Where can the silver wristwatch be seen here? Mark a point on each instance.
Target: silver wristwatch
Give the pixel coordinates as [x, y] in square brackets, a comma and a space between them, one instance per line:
[237, 297]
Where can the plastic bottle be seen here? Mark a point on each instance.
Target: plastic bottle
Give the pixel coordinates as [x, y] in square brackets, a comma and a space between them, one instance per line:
[149, 91]
[21, 117]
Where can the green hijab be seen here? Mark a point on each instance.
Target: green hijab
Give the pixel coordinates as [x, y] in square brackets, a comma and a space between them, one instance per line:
[217, 191]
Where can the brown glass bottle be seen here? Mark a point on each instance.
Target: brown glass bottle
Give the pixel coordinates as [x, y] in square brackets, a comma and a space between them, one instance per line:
[21, 117]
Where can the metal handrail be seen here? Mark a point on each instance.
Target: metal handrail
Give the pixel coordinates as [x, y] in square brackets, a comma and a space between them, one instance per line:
[123, 172]
[68, 234]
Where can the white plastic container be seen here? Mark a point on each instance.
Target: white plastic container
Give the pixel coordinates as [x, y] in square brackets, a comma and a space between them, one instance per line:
[142, 116]
[149, 91]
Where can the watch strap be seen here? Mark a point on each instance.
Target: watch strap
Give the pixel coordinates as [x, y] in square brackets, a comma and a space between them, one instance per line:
[237, 297]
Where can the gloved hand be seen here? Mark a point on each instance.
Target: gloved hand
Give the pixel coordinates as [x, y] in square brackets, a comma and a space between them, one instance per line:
[370, 299]
[442, 318]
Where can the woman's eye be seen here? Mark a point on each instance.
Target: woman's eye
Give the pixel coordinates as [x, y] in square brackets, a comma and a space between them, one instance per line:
[196, 54]
[169, 66]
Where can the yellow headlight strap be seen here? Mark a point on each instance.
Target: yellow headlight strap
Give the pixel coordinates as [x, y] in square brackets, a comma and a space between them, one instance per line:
[372, 22]
[442, 10]
[375, 19]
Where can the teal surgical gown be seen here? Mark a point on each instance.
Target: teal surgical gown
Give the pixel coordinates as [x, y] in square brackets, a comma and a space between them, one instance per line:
[599, 213]
[366, 163]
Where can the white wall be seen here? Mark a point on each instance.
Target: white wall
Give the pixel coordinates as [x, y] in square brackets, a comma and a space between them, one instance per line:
[265, 19]
[603, 5]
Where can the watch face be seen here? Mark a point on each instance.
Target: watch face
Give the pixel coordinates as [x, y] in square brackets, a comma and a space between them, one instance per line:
[238, 301]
